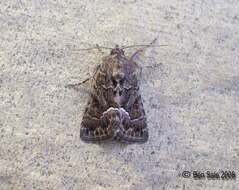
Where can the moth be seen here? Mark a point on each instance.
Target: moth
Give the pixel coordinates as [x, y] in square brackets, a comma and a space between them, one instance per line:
[115, 109]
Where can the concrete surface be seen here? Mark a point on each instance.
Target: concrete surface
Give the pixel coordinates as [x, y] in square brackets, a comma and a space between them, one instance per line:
[190, 90]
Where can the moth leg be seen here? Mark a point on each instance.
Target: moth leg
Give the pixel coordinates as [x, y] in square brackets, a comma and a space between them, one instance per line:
[77, 84]
[89, 79]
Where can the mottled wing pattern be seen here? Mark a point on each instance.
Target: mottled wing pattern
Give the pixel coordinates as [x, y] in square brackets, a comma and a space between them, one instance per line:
[115, 108]
[137, 130]
[93, 127]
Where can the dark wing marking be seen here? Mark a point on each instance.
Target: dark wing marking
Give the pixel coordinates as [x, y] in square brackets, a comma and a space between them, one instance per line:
[95, 135]
[92, 126]
[137, 130]
[133, 136]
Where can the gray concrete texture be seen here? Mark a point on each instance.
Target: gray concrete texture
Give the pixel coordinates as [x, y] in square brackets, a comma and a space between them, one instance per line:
[190, 90]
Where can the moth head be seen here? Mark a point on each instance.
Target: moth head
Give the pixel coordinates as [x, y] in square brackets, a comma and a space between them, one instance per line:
[117, 51]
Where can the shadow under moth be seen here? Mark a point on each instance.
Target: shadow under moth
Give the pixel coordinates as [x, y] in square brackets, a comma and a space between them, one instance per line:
[115, 109]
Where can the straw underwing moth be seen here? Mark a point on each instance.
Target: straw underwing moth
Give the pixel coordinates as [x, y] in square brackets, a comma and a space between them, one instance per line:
[115, 108]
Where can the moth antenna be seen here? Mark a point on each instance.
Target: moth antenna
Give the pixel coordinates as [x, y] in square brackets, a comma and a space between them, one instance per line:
[142, 46]
[97, 47]
[77, 84]
[143, 49]
[149, 45]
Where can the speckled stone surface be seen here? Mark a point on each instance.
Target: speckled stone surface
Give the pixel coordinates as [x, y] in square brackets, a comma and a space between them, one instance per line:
[190, 90]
